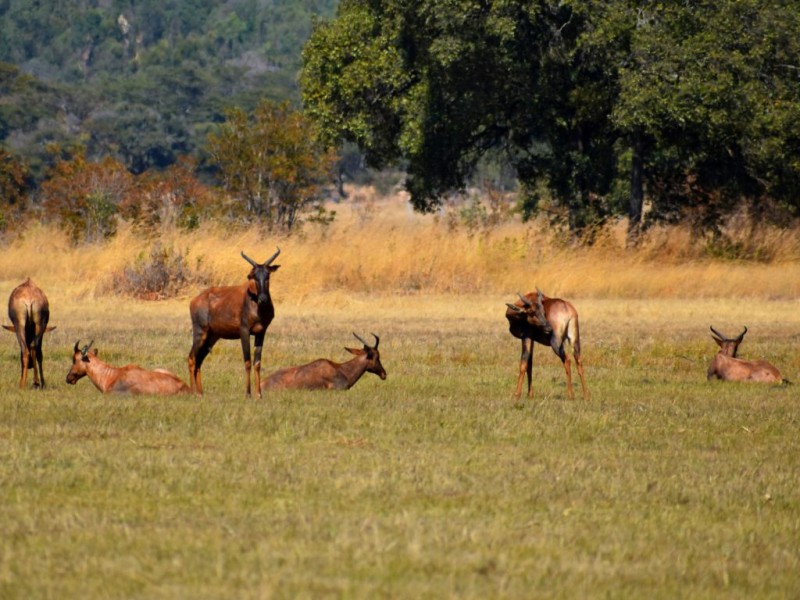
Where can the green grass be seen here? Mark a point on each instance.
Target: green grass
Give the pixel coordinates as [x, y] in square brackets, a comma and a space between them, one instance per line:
[434, 483]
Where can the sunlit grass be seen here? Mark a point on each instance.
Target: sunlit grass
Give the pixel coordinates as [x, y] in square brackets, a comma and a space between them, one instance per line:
[434, 483]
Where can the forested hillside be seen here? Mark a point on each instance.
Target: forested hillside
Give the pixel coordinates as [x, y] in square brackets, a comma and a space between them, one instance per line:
[142, 81]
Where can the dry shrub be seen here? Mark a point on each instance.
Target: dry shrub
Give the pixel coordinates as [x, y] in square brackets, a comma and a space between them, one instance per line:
[162, 274]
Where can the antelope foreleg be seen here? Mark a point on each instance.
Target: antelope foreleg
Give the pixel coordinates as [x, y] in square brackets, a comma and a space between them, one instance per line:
[259, 344]
[246, 356]
[525, 367]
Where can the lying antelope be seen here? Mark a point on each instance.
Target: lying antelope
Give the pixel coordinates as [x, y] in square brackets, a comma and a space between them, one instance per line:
[551, 322]
[233, 313]
[728, 367]
[29, 312]
[131, 379]
[323, 374]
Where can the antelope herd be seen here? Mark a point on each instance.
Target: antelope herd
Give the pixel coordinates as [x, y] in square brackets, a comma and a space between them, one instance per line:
[239, 312]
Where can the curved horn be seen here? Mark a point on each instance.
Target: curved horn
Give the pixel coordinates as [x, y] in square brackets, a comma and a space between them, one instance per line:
[741, 335]
[77, 346]
[273, 257]
[717, 333]
[86, 348]
[525, 301]
[360, 339]
[248, 259]
[377, 341]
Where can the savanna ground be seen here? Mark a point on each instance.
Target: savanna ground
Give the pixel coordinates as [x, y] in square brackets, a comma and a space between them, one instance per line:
[436, 482]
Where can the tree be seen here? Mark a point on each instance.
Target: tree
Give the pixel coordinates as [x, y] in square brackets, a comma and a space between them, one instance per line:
[272, 160]
[14, 183]
[690, 101]
[437, 84]
[84, 197]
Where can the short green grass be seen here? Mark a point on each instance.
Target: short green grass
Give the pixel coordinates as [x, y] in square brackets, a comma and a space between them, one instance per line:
[434, 483]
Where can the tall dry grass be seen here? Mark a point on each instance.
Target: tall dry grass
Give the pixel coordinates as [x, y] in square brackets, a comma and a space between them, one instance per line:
[380, 246]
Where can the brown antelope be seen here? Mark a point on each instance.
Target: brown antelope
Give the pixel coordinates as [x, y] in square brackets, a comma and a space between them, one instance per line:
[728, 367]
[130, 379]
[29, 312]
[230, 313]
[550, 322]
[323, 374]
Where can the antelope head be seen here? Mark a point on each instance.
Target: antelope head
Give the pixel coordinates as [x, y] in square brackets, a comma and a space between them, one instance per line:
[727, 346]
[80, 358]
[259, 275]
[373, 356]
[533, 313]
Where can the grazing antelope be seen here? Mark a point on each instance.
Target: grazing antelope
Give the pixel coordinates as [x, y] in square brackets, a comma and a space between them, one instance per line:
[230, 313]
[29, 312]
[323, 374]
[728, 367]
[550, 322]
[130, 379]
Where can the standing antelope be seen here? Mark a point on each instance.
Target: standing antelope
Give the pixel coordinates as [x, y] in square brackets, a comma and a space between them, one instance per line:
[130, 379]
[29, 312]
[323, 374]
[728, 367]
[229, 313]
[550, 322]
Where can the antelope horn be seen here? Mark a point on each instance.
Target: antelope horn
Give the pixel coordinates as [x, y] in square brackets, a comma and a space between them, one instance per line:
[86, 348]
[273, 257]
[525, 301]
[377, 341]
[514, 307]
[717, 333]
[741, 335]
[248, 259]
[77, 344]
[360, 339]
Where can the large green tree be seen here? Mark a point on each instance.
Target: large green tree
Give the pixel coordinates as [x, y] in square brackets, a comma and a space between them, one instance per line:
[601, 101]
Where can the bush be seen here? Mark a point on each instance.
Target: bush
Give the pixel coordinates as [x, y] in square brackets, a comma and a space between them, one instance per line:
[164, 274]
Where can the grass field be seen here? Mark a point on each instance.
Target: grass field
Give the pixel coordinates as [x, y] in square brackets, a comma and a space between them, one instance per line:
[434, 483]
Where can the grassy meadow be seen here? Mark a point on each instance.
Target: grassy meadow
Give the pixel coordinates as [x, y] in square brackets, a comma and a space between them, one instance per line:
[435, 483]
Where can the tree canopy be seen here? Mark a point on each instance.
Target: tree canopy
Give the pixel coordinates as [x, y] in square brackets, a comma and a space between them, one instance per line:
[694, 103]
[143, 82]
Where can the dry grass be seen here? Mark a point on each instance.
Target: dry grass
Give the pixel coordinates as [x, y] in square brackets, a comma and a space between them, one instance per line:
[380, 246]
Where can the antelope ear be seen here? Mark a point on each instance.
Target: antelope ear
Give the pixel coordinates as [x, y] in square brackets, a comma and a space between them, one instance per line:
[356, 351]
[49, 328]
[273, 268]
[94, 351]
[9, 328]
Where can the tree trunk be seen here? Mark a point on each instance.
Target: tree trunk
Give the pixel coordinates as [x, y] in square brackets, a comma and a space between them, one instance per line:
[637, 192]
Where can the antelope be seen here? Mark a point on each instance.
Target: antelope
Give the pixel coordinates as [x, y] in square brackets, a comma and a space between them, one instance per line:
[130, 379]
[29, 312]
[323, 374]
[727, 367]
[229, 313]
[550, 322]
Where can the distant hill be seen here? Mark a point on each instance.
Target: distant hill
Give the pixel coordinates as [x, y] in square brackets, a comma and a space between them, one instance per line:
[146, 80]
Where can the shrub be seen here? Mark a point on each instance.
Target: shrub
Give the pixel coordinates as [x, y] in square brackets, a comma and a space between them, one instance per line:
[164, 274]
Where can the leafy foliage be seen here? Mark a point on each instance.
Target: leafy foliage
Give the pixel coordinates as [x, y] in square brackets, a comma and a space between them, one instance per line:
[273, 162]
[696, 103]
[13, 189]
[142, 81]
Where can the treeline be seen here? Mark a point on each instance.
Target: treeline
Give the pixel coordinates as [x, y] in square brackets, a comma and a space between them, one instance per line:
[656, 111]
[143, 82]
[652, 111]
